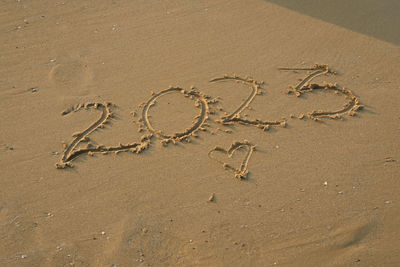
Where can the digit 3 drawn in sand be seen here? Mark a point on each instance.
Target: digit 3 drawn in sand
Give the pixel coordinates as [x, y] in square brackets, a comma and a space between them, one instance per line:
[201, 101]
[350, 108]
[241, 172]
[71, 152]
[234, 117]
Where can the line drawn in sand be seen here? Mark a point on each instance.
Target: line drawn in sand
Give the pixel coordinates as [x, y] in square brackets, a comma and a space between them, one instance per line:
[203, 102]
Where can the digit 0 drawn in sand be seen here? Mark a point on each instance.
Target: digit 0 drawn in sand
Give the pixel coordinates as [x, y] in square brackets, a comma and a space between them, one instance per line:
[234, 117]
[201, 101]
[350, 108]
[241, 172]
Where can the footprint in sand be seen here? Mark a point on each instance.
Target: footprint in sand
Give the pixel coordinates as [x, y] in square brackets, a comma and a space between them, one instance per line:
[319, 248]
[70, 77]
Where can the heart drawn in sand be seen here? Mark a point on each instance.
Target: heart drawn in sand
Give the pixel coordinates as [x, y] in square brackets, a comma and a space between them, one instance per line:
[241, 172]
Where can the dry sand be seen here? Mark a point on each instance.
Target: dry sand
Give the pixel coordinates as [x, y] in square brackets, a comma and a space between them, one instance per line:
[310, 194]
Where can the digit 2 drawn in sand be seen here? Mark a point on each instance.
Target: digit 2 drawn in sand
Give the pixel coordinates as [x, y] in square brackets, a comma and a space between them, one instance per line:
[234, 117]
[202, 101]
[71, 152]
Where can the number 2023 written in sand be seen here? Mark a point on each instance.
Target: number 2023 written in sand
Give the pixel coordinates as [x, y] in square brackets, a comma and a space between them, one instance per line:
[204, 102]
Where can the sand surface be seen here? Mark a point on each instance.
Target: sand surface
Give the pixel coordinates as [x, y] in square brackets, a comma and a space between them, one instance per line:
[261, 173]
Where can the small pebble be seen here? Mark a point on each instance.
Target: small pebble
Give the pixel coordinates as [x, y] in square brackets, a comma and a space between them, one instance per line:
[211, 197]
[103, 233]
[24, 256]
[52, 60]
[325, 183]
[340, 192]
[387, 202]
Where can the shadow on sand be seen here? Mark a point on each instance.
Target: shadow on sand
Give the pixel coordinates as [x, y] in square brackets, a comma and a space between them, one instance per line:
[376, 18]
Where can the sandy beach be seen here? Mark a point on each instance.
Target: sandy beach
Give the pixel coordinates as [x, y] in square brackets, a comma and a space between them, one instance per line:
[199, 133]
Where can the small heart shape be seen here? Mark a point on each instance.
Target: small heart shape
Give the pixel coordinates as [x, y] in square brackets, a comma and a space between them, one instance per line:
[241, 172]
